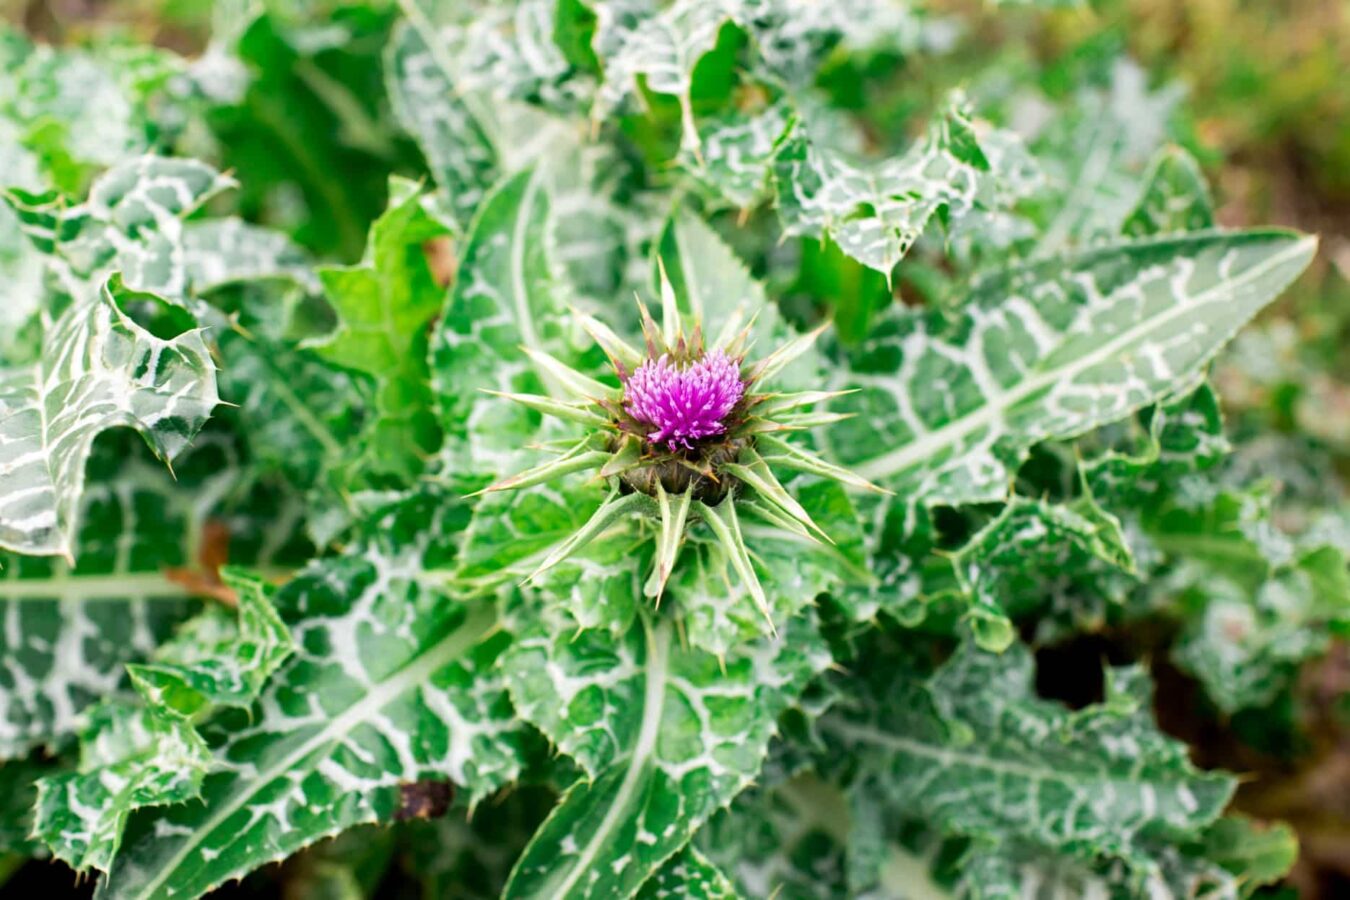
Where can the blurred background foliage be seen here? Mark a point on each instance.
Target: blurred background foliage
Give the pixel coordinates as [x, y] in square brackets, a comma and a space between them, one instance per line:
[1266, 111]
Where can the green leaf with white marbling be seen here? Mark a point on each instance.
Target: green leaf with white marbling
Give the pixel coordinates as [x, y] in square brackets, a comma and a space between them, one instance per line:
[85, 109]
[220, 252]
[384, 304]
[599, 586]
[1037, 556]
[712, 284]
[428, 103]
[451, 91]
[302, 413]
[130, 757]
[138, 755]
[1096, 153]
[505, 297]
[391, 683]
[736, 152]
[688, 874]
[98, 370]
[20, 262]
[875, 213]
[511, 50]
[218, 658]
[131, 223]
[1180, 437]
[69, 631]
[662, 48]
[1211, 866]
[1049, 350]
[63, 655]
[974, 751]
[1175, 197]
[1257, 601]
[666, 735]
[794, 37]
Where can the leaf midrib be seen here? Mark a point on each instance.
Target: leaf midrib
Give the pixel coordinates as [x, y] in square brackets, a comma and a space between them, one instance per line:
[520, 290]
[951, 757]
[654, 695]
[888, 465]
[83, 588]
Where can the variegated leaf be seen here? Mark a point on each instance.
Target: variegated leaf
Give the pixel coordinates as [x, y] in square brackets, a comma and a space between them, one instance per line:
[220, 657]
[666, 735]
[1040, 558]
[1175, 197]
[876, 213]
[505, 297]
[130, 757]
[662, 47]
[430, 105]
[134, 756]
[1049, 350]
[392, 684]
[220, 252]
[130, 223]
[145, 535]
[688, 875]
[99, 369]
[974, 751]
[1095, 154]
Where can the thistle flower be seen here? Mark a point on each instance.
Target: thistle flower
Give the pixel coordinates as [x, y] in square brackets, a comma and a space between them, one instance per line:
[684, 403]
[689, 436]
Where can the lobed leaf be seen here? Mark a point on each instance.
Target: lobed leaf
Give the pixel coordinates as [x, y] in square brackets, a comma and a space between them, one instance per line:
[666, 736]
[99, 369]
[505, 297]
[975, 752]
[1050, 350]
[392, 684]
[384, 304]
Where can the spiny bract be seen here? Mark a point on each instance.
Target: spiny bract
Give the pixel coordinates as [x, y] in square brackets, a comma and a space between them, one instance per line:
[686, 436]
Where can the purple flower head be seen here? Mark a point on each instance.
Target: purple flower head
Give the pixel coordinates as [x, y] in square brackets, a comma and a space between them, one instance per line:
[684, 403]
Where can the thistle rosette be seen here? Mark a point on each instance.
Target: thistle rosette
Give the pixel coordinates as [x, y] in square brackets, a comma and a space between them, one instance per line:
[690, 435]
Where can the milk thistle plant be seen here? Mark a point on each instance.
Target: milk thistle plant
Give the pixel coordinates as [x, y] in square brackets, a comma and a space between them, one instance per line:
[465, 580]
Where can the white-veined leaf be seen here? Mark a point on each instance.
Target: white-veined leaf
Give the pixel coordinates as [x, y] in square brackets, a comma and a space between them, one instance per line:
[1049, 350]
[220, 252]
[688, 875]
[975, 752]
[875, 213]
[392, 684]
[429, 105]
[505, 297]
[1095, 154]
[1175, 197]
[666, 735]
[130, 757]
[145, 546]
[98, 370]
[138, 755]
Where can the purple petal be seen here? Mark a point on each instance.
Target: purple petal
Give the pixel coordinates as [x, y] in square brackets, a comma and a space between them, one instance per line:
[685, 404]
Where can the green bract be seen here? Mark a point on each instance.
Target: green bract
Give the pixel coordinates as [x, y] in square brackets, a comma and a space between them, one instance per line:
[354, 515]
[709, 480]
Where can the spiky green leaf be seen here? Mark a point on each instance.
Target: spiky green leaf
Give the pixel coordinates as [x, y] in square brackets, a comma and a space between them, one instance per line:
[666, 735]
